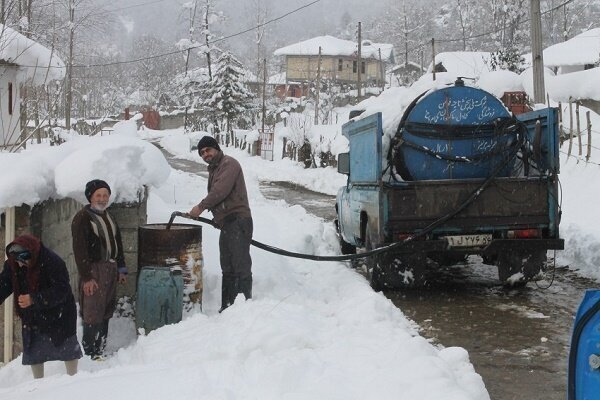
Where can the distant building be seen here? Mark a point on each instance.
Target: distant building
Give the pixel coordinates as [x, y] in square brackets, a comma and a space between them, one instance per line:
[339, 61]
[404, 74]
[580, 53]
[21, 60]
[468, 64]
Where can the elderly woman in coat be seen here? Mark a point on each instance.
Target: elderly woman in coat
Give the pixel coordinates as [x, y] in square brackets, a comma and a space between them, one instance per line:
[43, 300]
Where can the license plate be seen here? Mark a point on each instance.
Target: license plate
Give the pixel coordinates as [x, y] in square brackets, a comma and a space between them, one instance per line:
[469, 240]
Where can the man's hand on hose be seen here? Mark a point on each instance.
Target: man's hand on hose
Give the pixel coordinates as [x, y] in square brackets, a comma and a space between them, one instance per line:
[196, 211]
[89, 287]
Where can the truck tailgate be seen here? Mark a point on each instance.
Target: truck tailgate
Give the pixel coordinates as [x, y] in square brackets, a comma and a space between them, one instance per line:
[508, 202]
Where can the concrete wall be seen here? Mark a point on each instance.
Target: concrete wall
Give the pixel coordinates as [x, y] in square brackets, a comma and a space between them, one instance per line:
[51, 221]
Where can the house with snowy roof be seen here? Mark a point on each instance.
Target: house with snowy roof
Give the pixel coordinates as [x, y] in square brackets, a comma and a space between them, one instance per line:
[469, 64]
[579, 53]
[22, 60]
[338, 60]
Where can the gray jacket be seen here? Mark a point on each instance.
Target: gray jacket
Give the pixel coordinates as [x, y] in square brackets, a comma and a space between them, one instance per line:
[227, 194]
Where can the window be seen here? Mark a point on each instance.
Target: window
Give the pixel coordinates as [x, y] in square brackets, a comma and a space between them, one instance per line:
[340, 64]
[362, 67]
[354, 67]
[10, 98]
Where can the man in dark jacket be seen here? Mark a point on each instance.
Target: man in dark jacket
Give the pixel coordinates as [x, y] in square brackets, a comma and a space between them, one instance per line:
[227, 199]
[43, 299]
[98, 251]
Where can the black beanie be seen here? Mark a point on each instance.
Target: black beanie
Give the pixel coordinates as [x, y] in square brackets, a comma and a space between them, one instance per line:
[94, 185]
[208, 141]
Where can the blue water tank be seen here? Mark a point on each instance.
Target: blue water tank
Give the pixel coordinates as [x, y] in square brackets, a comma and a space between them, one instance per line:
[456, 132]
[584, 355]
[159, 299]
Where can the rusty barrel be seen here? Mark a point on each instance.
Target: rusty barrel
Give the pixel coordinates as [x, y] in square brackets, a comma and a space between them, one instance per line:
[179, 246]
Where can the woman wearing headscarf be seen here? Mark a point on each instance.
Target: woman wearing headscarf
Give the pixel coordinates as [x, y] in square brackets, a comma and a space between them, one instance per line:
[39, 280]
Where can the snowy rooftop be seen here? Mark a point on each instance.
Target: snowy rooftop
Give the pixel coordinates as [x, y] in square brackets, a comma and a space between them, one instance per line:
[37, 63]
[332, 46]
[579, 50]
[469, 64]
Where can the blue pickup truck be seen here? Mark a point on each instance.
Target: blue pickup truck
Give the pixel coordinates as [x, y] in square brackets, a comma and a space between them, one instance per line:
[460, 176]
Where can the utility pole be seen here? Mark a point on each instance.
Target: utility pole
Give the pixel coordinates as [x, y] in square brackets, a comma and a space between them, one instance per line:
[405, 37]
[318, 88]
[381, 71]
[69, 92]
[433, 56]
[187, 60]
[539, 90]
[358, 61]
[264, 91]
[9, 236]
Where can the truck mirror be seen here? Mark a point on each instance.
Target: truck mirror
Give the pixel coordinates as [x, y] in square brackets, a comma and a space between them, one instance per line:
[344, 163]
[355, 113]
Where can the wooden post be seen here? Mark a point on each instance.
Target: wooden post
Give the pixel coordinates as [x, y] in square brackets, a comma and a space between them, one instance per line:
[358, 61]
[381, 71]
[560, 123]
[537, 55]
[433, 56]
[9, 236]
[318, 85]
[589, 130]
[570, 128]
[264, 90]
[580, 153]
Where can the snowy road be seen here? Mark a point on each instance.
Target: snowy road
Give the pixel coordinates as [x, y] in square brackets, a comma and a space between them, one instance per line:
[518, 340]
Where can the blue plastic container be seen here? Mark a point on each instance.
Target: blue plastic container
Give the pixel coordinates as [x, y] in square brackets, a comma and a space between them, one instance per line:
[584, 356]
[450, 134]
[159, 298]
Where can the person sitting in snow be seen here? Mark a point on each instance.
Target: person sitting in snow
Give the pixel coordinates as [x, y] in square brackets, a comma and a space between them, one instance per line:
[39, 279]
[98, 251]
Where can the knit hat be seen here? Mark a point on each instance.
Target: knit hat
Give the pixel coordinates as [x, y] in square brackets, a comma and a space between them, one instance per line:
[94, 185]
[208, 141]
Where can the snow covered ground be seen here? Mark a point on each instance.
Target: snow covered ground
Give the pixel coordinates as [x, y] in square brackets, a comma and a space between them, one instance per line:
[312, 331]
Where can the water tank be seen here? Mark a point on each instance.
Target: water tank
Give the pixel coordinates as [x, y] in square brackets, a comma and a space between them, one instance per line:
[457, 132]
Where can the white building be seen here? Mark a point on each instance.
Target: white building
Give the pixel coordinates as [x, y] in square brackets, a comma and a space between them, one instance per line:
[21, 60]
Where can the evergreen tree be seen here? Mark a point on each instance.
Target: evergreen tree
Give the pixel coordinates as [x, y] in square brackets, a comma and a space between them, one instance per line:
[226, 95]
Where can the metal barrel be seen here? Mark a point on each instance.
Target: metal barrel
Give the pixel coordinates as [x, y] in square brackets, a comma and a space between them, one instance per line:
[179, 246]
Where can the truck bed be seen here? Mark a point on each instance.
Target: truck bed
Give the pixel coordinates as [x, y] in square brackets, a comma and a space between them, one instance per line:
[506, 202]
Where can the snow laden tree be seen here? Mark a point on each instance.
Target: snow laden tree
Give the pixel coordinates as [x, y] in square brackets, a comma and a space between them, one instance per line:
[227, 98]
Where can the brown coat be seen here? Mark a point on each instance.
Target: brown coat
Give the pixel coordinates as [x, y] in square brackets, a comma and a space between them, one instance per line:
[89, 247]
[226, 189]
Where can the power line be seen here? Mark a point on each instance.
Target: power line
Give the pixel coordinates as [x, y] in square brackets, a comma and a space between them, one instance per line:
[195, 46]
[499, 29]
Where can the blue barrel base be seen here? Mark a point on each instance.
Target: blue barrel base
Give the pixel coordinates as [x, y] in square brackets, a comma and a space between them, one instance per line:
[159, 298]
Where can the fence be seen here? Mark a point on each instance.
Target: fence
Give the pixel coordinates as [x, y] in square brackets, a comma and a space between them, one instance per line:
[576, 132]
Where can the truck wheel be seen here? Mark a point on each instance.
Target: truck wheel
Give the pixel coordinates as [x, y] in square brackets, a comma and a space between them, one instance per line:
[345, 247]
[374, 273]
[408, 270]
[516, 268]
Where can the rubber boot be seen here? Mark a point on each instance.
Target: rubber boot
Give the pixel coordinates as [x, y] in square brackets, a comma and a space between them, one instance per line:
[245, 287]
[100, 342]
[228, 291]
[88, 340]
